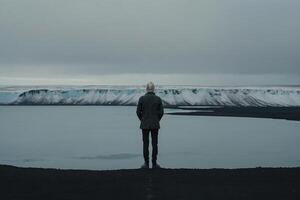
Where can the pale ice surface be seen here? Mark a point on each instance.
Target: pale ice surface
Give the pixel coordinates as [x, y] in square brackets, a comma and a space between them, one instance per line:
[108, 137]
[171, 95]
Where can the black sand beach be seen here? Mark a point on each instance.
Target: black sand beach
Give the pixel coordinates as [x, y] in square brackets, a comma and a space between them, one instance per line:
[256, 183]
[288, 113]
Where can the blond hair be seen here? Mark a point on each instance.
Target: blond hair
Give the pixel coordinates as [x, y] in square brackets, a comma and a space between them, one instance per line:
[150, 87]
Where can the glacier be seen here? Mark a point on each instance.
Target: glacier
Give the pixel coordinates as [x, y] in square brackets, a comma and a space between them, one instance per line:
[171, 95]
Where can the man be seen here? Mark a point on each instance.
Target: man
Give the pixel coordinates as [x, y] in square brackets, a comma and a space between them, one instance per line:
[150, 111]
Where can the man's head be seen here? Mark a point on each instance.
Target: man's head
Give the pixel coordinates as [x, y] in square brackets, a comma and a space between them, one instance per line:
[150, 87]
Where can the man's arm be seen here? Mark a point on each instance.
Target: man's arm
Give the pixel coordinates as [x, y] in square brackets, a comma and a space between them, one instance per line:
[139, 109]
[161, 110]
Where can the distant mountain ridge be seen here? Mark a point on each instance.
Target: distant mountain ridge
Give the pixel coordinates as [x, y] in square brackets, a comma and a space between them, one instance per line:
[171, 95]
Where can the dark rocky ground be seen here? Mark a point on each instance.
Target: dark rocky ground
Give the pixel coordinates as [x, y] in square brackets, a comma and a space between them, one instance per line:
[288, 113]
[256, 183]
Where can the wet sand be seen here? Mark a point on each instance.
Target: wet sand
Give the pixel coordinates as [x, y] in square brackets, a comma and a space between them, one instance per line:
[256, 183]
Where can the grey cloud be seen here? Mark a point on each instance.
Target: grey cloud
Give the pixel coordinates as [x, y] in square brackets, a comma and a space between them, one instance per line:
[143, 36]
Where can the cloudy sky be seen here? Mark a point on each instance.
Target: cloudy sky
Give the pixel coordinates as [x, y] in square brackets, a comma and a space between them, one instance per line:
[132, 41]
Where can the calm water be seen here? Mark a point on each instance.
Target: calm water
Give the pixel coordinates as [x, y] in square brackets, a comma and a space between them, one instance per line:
[107, 137]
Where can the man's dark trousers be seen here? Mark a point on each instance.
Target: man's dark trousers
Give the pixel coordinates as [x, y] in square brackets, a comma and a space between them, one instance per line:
[154, 140]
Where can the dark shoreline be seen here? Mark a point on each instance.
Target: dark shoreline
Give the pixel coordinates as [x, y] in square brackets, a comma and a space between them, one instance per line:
[288, 113]
[252, 183]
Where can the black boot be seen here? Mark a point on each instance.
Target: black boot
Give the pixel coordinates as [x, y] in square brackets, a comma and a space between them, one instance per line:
[145, 166]
[155, 165]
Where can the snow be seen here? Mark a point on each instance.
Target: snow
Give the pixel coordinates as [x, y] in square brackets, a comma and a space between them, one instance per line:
[171, 95]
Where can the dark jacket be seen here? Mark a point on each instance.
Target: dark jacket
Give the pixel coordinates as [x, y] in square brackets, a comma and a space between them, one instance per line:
[150, 111]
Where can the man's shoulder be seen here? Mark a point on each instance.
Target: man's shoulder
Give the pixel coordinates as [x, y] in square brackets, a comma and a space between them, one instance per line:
[141, 97]
[158, 98]
[150, 96]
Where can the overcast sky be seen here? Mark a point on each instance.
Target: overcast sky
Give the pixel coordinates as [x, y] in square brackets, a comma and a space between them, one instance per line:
[191, 41]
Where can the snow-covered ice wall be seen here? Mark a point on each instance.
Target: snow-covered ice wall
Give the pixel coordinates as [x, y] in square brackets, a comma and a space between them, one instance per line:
[171, 95]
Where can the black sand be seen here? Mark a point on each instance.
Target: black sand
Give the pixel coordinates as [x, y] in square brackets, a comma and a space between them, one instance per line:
[257, 183]
[288, 113]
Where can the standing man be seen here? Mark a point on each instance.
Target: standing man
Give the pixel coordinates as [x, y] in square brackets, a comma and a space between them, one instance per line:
[150, 111]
